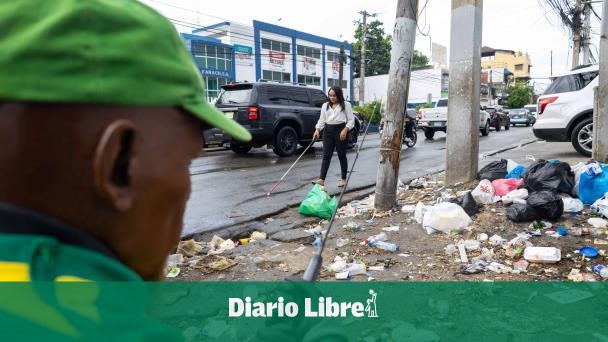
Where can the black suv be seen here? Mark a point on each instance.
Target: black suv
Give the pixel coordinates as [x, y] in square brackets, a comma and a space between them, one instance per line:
[280, 115]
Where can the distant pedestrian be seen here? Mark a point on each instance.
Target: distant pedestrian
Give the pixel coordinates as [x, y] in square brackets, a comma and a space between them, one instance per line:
[336, 120]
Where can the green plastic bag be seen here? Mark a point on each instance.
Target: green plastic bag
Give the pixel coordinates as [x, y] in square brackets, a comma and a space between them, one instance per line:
[318, 204]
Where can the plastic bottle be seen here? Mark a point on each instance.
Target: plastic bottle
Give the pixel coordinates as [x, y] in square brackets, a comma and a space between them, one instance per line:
[386, 246]
[601, 270]
[372, 240]
[581, 231]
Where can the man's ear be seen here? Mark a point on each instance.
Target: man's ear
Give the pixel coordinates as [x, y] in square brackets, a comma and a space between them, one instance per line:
[115, 163]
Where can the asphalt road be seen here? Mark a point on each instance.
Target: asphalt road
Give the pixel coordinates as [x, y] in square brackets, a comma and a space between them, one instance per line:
[229, 189]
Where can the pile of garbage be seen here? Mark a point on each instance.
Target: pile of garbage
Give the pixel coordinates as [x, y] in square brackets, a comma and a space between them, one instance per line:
[540, 193]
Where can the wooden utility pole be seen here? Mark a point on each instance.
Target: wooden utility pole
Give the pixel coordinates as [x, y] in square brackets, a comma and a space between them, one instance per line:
[404, 37]
[365, 14]
[600, 122]
[463, 106]
[576, 33]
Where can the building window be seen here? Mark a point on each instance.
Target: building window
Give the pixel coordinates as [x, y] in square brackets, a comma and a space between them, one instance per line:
[312, 80]
[519, 67]
[276, 76]
[333, 56]
[308, 51]
[334, 82]
[207, 56]
[275, 45]
[213, 85]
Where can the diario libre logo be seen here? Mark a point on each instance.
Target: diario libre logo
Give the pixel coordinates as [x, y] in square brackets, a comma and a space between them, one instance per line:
[320, 307]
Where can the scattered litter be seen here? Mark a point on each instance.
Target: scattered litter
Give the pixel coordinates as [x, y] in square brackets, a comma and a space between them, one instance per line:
[597, 222]
[189, 248]
[588, 252]
[408, 209]
[505, 186]
[541, 225]
[472, 245]
[419, 183]
[521, 265]
[243, 242]
[482, 237]
[600, 270]
[572, 205]
[576, 231]
[221, 263]
[497, 240]
[342, 242]
[539, 205]
[547, 176]
[391, 229]
[480, 266]
[256, 236]
[338, 266]
[562, 231]
[445, 217]
[376, 268]
[463, 253]
[515, 196]
[469, 204]
[575, 275]
[450, 249]
[356, 268]
[404, 255]
[175, 260]
[386, 246]
[345, 275]
[484, 193]
[352, 226]
[600, 206]
[600, 242]
[173, 272]
[543, 255]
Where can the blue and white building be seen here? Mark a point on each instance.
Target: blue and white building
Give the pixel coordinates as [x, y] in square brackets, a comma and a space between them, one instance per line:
[231, 52]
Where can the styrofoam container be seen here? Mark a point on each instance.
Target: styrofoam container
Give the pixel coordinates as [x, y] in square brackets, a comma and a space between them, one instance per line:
[544, 255]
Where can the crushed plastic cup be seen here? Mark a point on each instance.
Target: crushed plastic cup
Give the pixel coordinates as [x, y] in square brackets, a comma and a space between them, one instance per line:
[472, 245]
[345, 275]
[543, 255]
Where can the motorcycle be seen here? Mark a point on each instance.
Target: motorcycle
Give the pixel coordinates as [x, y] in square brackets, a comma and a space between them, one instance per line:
[410, 126]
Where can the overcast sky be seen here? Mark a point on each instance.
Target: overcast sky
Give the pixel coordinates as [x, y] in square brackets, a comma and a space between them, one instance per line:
[519, 25]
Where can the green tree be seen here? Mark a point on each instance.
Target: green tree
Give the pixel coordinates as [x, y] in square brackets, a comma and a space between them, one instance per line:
[519, 95]
[419, 60]
[377, 46]
[373, 108]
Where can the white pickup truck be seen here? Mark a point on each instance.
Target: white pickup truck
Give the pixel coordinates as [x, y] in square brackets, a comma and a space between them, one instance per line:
[436, 118]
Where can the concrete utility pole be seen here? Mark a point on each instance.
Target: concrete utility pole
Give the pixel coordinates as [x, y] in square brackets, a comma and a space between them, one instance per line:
[586, 34]
[576, 34]
[341, 67]
[600, 120]
[463, 106]
[404, 37]
[365, 14]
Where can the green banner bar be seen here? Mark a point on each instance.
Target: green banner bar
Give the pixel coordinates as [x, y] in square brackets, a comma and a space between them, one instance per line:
[374, 311]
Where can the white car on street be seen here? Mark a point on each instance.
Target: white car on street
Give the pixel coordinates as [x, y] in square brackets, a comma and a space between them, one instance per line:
[565, 110]
[435, 119]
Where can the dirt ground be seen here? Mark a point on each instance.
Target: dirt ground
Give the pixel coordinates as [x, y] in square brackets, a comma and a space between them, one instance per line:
[422, 257]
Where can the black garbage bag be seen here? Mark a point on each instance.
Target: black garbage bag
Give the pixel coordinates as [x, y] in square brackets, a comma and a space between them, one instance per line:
[541, 205]
[544, 175]
[493, 171]
[519, 212]
[548, 204]
[469, 204]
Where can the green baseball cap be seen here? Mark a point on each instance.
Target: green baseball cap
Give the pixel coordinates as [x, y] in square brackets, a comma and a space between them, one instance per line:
[118, 52]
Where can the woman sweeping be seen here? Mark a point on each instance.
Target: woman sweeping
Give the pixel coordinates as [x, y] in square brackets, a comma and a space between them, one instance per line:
[336, 120]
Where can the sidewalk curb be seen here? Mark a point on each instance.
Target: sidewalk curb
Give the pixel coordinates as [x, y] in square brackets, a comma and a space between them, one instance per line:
[354, 194]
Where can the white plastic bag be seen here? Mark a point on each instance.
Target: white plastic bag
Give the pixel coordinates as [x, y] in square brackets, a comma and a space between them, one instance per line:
[572, 205]
[515, 196]
[419, 212]
[578, 170]
[601, 206]
[484, 193]
[445, 217]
